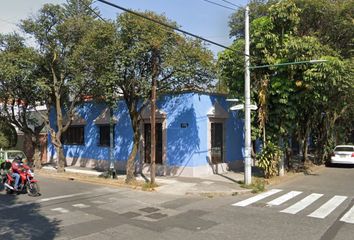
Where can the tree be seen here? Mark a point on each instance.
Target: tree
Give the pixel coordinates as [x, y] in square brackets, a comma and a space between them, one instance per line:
[58, 31]
[258, 8]
[136, 53]
[18, 90]
[330, 21]
[293, 100]
[8, 135]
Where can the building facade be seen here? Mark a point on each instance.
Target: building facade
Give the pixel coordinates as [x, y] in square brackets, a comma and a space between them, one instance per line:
[196, 134]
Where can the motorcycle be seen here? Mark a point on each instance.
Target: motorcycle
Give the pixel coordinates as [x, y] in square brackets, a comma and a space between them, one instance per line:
[27, 182]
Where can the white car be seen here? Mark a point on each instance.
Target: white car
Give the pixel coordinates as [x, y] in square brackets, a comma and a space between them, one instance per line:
[343, 154]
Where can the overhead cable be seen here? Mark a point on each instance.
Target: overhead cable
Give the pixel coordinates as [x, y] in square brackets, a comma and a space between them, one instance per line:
[220, 5]
[167, 25]
[233, 4]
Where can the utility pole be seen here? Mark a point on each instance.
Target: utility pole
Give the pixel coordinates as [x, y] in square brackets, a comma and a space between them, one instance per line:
[153, 117]
[111, 143]
[248, 167]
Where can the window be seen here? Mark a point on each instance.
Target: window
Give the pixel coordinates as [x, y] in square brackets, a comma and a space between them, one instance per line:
[104, 136]
[74, 136]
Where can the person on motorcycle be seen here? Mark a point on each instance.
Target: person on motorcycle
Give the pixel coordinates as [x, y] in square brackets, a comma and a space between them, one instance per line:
[16, 167]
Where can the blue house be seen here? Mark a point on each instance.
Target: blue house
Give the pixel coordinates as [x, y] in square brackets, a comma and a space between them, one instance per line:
[196, 135]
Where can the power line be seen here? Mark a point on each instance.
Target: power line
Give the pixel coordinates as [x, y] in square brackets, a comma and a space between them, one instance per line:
[233, 4]
[166, 25]
[93, 11]
[220, 5]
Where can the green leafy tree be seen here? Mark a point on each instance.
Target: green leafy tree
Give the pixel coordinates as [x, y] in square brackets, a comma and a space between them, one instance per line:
[330, 21]
[58, 31]
[258, 8]
[291, 99]
[18, 90]
[8, 135]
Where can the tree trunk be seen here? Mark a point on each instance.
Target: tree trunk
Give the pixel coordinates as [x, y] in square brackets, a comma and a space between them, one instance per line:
[130, 168]
[37, 157]
[304, 151]
[61, 159]
[28, 147]
[305, 145]
[131, 160]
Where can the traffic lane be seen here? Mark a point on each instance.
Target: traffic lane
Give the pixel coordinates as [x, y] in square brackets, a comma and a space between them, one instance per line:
[328, 180]
[261, 221]
[52, 189]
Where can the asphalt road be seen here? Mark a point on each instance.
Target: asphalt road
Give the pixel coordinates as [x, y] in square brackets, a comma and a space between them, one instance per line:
[309, 207]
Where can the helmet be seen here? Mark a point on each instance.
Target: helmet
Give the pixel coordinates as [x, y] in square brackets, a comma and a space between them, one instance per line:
[18, 158]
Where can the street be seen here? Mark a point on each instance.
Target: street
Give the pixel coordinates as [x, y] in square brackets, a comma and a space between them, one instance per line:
[314, 206]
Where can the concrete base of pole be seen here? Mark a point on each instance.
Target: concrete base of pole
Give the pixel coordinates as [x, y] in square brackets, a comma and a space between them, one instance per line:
[248, 171]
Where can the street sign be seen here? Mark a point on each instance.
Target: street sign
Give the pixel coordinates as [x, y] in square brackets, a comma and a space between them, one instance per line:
[241, 106]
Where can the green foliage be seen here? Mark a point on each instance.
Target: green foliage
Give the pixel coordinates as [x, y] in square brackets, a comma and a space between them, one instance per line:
[19, 91]
[330, 21]
[4, 142]
[49, 74]
[268, 160]
[135, 52]
[258, 185]
[8, 135]
[300, 99]
[258, 8]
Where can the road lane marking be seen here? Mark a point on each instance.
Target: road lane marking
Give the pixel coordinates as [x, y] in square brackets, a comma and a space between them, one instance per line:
[302, 204]
[61, 210]
[61, 197]
[98, 202]
[256, 198]
[349, 216]
[81, 205]
[43, 200]
[284, 198]
[328, 207]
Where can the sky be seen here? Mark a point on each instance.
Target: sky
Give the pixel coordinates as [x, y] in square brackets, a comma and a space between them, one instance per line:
[196, 16]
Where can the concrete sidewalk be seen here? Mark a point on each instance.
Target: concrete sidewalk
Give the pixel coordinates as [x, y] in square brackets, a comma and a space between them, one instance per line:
[226, 184]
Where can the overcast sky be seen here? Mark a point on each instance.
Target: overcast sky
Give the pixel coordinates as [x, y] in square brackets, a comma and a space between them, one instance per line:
[197, 16]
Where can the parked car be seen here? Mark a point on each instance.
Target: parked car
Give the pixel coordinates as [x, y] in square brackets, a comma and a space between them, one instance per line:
[9, 155]
[343, 154]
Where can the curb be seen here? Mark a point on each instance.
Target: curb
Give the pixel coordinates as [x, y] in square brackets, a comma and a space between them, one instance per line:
[88, 172]
[161, 183]
[219, 193]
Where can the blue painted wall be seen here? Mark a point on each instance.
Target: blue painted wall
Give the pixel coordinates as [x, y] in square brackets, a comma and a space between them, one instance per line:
[185, 146]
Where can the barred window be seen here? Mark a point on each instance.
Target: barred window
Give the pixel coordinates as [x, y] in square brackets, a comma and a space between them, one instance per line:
[105, 139]
[74, 135]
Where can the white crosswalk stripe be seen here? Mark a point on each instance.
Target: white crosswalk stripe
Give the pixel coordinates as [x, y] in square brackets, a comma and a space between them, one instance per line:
[256, 198]
[282, 199]
[320, 212]
[302, 204]
[348, 216]
[328, 207]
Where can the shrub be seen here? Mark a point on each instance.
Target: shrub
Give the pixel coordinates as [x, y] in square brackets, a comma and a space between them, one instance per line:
[268, 159]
